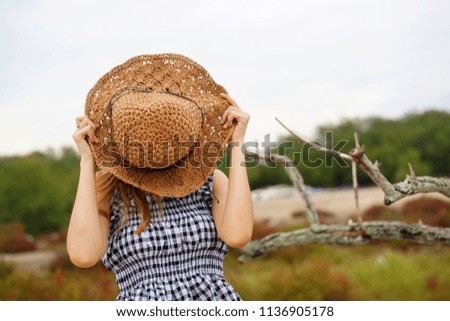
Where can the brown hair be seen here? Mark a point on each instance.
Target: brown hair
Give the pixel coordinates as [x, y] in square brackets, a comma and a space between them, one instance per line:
[106, 183]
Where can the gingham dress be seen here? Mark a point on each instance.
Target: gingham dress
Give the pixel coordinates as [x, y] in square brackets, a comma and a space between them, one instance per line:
[177, 258]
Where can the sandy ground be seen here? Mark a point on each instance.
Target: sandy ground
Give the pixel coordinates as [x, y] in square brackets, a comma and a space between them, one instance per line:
[36, 261]
[339, 202]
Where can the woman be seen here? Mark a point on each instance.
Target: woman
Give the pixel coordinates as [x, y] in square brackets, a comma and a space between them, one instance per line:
[158, 213]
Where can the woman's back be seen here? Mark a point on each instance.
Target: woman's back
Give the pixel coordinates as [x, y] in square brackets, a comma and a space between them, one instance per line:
[178, 257]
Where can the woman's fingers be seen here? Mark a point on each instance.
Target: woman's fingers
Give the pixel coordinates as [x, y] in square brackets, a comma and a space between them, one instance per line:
[227, 112]
[85, 130]
[233, 113]
[230, 100]
[85, 127]
[79, 119]
[230, 117]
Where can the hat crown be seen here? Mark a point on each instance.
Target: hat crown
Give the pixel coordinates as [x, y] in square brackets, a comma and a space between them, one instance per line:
[154, 129]
[200, 108]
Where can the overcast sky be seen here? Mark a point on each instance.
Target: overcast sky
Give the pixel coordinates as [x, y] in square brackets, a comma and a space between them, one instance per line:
[305, 62]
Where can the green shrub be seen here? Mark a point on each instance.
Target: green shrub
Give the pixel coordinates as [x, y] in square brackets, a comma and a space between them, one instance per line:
[68, 284]
[430, 211]
[13, 239]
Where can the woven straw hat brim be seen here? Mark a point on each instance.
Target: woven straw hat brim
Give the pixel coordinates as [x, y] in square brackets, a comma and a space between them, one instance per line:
[179, 75]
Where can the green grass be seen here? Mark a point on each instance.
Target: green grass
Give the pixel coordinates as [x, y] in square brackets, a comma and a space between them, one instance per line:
[383, 271]
[389, 274]
[61, 284]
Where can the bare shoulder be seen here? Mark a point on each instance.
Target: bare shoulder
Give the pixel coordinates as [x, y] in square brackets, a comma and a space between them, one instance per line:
[220, 191]
[218, 174]
[220, 182]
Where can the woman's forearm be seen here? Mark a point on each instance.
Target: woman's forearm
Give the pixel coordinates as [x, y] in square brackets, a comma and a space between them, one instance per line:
[86, 237]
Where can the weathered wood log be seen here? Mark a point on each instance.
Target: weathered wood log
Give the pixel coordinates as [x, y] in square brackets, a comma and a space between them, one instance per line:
[347, 234]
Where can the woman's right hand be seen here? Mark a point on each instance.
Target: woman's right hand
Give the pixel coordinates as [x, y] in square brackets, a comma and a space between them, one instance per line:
[85, 129]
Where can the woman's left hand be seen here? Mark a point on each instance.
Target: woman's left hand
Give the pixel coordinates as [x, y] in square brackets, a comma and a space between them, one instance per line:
[235, 114]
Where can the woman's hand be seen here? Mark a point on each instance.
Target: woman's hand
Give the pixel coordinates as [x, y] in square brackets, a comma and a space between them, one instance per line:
[235, 114]
[85, 128]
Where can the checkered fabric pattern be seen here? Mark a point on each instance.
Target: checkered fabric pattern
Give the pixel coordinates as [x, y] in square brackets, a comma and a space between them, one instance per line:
[178, 258]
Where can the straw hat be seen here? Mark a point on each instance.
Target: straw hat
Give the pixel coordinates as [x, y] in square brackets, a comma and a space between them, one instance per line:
[158, 121]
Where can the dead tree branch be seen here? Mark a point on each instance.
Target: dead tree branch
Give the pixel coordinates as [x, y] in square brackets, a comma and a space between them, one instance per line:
[352, 233]
[314, 145]
[296, 178]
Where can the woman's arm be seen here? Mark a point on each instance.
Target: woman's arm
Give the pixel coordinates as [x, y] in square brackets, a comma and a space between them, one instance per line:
[232, 202]
[88, 231]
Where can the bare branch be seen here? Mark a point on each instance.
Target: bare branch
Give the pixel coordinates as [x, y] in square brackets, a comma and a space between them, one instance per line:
[393, 192]
[349, 234]
[297, 180]
[355, 180]
[411, 172]
[356, 136]
[355, 189]
[314, 145]
[421, 184]
[410, 186]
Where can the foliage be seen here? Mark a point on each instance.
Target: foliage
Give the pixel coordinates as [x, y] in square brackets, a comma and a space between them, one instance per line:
[321, 272]
[382, 271]
[37, 193]
[38, 190]
[60, 284]
[418, 138]
[316, 272]
[14, 239]
[430, 211]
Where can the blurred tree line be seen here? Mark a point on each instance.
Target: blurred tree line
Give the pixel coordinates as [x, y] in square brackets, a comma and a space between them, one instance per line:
[423, 139]
[38, 190]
